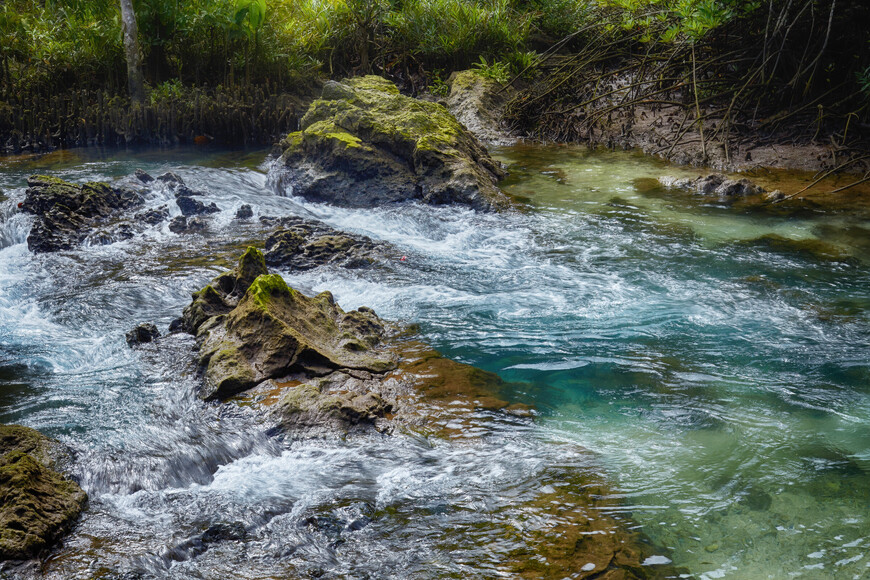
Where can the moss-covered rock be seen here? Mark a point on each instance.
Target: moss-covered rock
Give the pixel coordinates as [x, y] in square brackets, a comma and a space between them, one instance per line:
[363, 144]
[223, 293]
[251, 330]
[68, 213]
[37, 504]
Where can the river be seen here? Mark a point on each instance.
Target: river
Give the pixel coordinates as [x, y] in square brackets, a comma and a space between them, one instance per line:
[710, 361]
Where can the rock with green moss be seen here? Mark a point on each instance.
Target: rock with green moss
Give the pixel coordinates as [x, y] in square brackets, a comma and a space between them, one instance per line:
[223, 293]
[37, 503]
[67, 214]
[363, 144]
[253, 327]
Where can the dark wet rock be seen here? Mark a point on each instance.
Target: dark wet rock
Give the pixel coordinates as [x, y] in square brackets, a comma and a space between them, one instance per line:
[303, 244]
[145, 332]
[757, 500]
[182, 225]
[224, 532]
[478, 103]
[190, 206]
[67, 213]
[253, 327]
[153, 216]
[37, 503]
[143, 177]
[245, 212]
[715, 184]
[170, 178]
[363, 144]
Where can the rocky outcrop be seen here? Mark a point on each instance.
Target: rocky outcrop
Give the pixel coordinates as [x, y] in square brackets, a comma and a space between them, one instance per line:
[68, 213]
[37, 503]
[363, 144]
[304, 244]
[252, 327]
[478, 103]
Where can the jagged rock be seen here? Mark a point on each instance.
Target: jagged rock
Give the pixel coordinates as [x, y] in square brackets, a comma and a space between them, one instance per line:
[477, 102]
[153, 217]
[304, 244]
[224, 292]
[245, 212]
[715, 184]
[171, 178]
[190, 206]
[182, 225]
[67, 213]
[143, 177]
[145, 332]
[37, 504]
[363, 144]
[253, 327]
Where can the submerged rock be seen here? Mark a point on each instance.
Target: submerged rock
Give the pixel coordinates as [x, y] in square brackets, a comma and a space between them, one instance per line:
[715, 184]
[67, 213]
[145, 332]
[363, 144]
[245, 212]
[303, 244]
[37, 504]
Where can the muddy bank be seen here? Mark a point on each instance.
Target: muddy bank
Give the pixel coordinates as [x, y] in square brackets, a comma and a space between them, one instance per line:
[606, 107]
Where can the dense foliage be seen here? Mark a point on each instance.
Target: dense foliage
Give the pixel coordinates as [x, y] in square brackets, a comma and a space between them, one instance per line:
[779, 53]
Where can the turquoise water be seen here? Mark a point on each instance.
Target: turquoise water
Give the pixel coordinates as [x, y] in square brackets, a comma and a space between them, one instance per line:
[720, 378]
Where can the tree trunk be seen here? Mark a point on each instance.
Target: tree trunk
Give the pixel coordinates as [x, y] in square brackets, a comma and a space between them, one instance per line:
[135, 82]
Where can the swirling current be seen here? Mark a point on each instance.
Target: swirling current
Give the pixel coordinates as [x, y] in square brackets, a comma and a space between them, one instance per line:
[711, 363]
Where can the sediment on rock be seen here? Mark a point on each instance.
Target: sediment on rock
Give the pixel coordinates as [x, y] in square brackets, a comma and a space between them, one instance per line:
[363, 144]
[478, 103]
[37, 503]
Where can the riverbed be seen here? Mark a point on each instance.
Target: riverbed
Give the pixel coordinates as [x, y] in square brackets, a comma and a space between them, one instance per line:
[710, 361]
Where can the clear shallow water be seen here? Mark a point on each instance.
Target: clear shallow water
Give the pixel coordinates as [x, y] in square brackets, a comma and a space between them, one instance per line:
[722, 382]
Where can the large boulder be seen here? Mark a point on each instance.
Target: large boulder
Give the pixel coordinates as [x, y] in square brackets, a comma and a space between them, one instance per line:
[253, 327]
[37, 503]
[68, 213]
[363, 144]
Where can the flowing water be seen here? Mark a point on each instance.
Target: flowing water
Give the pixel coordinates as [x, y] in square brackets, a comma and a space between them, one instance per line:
[715, 361]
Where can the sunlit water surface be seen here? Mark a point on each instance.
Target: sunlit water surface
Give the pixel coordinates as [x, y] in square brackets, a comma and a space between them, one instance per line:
[720, 380]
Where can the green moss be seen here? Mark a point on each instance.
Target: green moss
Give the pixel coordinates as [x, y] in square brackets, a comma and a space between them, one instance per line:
[38, 504]
[371, 108]
[252, 263]
[265, 288]
[327, 130]
[373, 83]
